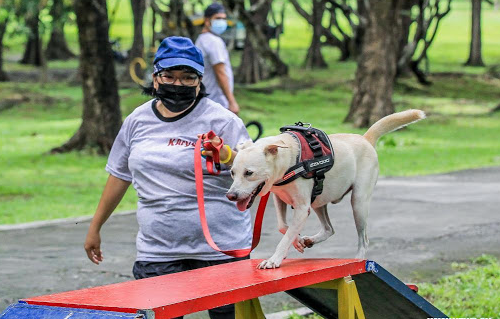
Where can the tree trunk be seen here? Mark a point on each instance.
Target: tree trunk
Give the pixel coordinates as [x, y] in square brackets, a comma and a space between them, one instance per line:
[475, 58]
[137, 50]
[259, 61]
[3, 27]
[314, 57]
[405, 54]
[359, 32]
[174, 22]
[57, 48]
[253, 68]
[101, 119]
[372, 96]
[33, 52]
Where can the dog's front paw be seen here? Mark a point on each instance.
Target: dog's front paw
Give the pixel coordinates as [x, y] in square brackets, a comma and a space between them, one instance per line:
[269, 263]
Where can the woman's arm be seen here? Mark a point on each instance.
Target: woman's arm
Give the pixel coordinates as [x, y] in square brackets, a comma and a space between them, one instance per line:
[113, 193]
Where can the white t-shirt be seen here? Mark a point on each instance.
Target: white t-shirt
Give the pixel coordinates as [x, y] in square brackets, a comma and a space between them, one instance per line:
[157, 155]
[215, 52]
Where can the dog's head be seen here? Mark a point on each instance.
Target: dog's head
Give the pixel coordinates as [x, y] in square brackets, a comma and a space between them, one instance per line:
[254, 171]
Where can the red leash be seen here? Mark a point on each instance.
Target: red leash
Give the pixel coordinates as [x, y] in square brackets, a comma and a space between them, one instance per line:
[198, 173]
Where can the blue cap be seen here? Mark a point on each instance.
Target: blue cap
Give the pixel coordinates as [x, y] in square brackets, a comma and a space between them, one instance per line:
[214, 8]
[178, 51]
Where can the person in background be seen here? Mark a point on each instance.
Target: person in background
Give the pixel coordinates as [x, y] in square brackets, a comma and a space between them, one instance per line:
[154, 151]
[218, 77]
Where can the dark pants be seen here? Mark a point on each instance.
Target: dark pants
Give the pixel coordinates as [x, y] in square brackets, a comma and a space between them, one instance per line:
[145, 269]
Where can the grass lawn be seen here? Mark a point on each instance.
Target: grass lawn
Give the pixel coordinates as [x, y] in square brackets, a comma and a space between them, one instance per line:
[458, 134]
[471, 293]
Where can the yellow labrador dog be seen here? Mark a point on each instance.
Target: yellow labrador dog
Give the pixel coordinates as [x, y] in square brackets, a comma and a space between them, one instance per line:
[258, 166]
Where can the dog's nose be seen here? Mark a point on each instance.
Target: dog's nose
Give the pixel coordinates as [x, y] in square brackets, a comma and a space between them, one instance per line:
[232, 196]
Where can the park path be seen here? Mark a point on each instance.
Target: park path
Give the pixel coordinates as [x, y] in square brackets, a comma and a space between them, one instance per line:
[417, 227]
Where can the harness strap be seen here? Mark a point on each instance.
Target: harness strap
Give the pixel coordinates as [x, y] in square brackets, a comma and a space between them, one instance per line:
[198, 173]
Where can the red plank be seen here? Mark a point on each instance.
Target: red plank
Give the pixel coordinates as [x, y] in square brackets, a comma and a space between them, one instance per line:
[191, 291]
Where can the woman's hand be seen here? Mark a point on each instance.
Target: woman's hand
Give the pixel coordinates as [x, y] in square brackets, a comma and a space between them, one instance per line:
[112, 195]
[93, 247]
[216, 141]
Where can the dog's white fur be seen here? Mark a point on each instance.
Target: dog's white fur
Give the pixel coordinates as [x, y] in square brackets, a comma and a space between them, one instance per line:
[355, 169]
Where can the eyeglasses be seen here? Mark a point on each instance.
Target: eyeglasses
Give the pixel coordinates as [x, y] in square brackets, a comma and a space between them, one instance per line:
[188, 79]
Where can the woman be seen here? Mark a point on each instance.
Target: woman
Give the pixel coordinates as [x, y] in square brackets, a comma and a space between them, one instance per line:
[154, 151]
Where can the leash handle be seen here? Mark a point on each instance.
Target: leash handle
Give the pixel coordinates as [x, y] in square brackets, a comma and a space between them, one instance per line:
[215, 158]
[198, 173]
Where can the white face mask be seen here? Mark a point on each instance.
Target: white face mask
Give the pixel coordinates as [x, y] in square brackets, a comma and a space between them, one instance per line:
[218, 26]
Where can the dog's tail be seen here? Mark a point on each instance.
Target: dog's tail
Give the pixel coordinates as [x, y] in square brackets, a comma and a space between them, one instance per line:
[391, 123]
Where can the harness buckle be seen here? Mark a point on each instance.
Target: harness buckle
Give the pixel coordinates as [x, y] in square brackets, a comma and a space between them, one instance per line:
[318, 187]
[315, 145]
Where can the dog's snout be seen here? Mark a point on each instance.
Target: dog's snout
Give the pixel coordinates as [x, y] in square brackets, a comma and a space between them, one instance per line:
[232, 196]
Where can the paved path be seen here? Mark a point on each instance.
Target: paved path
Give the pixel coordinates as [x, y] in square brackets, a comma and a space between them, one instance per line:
[417, 227]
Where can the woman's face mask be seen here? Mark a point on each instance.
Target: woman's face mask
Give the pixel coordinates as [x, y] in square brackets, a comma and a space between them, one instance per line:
[176, 98]
[218, 26]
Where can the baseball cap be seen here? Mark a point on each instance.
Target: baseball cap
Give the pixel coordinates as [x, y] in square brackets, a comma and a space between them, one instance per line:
[178, 51]
[214, 8]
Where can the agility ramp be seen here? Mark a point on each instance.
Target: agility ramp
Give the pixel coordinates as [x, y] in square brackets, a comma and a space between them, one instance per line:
[334, 288]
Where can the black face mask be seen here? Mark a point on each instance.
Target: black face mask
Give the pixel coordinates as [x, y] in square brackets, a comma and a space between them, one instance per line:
[176, 98]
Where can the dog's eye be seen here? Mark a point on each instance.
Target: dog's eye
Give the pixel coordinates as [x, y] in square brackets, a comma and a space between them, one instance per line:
[232, 173]
[248, 173]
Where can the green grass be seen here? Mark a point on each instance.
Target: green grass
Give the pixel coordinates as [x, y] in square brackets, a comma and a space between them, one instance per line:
[311, 316]
[458, 134]
[471, 293]
[38, 186]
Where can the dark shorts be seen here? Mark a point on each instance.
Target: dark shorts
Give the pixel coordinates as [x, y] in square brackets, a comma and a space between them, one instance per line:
[146, 269]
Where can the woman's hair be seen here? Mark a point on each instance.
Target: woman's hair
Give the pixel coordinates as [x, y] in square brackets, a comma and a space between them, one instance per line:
[149, 89]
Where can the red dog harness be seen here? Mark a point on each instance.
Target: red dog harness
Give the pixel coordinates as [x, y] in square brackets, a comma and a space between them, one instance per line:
[316, 156]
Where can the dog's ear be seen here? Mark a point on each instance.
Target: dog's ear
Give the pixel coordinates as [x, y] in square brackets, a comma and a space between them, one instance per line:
[273, 148]
[242, 146]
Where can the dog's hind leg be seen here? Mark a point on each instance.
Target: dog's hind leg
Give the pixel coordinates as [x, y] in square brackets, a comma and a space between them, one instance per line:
[280, 214]
[360, 200]
[361, 207]
[325, 231]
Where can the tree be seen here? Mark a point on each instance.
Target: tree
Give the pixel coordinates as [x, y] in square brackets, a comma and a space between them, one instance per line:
[174, 20]
[258, 61]
[137, 50]
[374, 81]
[345, 38]
[33, 51]
[475, 58]
[4, 19]
[413, 47]
[314, 58]
[101, 119]
[57, 48]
